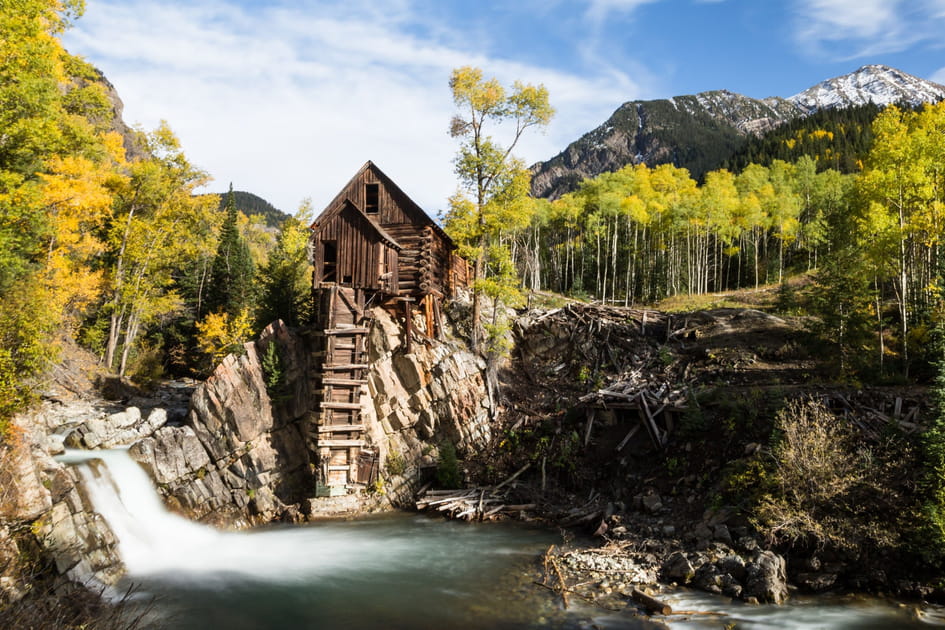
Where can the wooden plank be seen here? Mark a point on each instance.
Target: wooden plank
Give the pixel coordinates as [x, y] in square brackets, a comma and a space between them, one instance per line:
[353, 382]
[353, 330]
[340, 405]
[629, 435]
[341, 443]
[591, 413]
[346, 366]
[339, 428]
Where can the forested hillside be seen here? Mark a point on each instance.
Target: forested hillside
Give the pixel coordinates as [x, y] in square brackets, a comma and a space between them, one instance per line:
[102, 238]
[251, 204]
[871, 233]
[835, 138]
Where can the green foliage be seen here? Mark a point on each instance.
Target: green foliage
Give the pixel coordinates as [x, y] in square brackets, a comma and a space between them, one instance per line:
[448, 474]
[395, 464]
[837, 139]
[231, 288]
[273, 369]
[932, 511]
[286, 278]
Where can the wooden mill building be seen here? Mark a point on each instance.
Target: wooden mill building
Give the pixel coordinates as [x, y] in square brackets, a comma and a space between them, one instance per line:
[371, 246]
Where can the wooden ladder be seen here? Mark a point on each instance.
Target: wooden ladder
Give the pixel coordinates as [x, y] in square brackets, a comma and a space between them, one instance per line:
[337, 432]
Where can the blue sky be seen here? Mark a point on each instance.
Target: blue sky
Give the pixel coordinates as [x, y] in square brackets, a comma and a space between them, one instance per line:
[288, 99]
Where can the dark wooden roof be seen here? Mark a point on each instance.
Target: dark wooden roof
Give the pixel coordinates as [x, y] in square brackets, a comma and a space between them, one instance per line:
[410, 206]
[332, 212]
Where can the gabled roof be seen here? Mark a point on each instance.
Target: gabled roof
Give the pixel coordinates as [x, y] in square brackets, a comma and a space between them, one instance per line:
[410, 208]
[332, 212]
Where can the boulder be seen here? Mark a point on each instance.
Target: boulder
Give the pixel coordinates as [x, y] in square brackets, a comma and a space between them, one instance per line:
[171, 453]
[677, 568]
[766, 578]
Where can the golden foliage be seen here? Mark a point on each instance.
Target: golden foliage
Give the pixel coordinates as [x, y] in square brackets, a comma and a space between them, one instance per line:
[218, 335]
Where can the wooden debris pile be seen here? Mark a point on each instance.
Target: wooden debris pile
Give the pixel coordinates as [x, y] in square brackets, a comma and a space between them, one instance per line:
[654, 402]
[594, 337]
[875, 412]
[486, 503]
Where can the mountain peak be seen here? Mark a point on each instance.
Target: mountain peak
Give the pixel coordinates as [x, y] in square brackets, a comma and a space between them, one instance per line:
[699, 131]
[876, 83]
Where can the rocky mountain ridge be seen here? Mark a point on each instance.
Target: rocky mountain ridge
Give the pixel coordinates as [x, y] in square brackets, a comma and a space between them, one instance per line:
[700, 131]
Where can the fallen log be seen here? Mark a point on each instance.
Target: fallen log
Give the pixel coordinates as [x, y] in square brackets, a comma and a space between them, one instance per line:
[652, 605]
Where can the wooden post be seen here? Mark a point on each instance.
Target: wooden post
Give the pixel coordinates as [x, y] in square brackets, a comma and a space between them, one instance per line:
[408, 325]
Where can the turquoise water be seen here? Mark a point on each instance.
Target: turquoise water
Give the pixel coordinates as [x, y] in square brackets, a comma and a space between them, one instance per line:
[395, 571]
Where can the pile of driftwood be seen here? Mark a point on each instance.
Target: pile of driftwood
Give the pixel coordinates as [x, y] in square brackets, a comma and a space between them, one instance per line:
[654, 402]
[485, 503]
[874, 413]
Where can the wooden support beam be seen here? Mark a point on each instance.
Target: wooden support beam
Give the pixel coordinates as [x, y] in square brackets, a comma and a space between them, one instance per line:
[328, 380]
[340, 443]
[340, 405]
[339, 428]
[353, 330]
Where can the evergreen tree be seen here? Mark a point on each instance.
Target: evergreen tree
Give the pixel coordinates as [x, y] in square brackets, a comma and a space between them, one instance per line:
[231, 285]
[286, 278]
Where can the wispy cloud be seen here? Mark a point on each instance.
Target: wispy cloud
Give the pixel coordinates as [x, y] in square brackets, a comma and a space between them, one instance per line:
[850, 29]
[289, 100]
[598, 10]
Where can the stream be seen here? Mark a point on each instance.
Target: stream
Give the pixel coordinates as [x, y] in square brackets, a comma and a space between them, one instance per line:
[394, 571]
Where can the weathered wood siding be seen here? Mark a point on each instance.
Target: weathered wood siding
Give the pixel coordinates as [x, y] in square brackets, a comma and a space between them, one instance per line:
[426, 262]
[391, 202]
[362, 259]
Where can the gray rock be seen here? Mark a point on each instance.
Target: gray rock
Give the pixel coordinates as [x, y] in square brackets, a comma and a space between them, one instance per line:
[721, 533]
[677, 568]
[708, 578]
[766, 578]
[816, 582]
[732, 565]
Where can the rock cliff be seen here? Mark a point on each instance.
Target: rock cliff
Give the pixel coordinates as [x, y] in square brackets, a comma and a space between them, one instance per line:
[242, 456]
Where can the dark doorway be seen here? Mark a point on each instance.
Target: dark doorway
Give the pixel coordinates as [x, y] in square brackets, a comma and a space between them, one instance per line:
[330, 266]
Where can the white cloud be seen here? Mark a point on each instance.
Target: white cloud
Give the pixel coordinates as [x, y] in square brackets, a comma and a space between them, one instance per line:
[939, 76]
[598, 10]
[849, 29]
[288, 103]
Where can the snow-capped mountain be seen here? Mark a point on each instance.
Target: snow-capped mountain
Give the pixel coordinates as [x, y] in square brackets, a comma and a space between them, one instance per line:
[700, 131]
[876, 84]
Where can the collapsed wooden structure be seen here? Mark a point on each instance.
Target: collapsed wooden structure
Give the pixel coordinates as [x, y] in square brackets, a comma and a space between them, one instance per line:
[371, 246]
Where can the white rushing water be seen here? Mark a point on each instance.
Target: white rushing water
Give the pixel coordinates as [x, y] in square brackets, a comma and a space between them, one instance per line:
[388, 572]
[154, 541]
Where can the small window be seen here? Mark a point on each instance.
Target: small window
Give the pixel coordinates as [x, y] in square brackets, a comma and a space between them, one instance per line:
[371, 196]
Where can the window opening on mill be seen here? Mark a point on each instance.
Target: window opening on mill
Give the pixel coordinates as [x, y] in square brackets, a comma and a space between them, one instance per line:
[371, 197]
[331, 262]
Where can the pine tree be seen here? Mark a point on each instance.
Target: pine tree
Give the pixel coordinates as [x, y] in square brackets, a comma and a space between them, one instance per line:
[231, 285]
[286, 278]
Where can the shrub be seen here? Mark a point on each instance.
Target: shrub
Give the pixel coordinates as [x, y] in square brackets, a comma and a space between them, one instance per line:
[827, 486]
[447, 470]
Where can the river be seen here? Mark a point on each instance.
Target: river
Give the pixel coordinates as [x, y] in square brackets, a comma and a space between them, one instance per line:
[395, 571]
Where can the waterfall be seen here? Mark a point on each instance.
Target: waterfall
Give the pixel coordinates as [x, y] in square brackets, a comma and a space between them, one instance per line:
[153, 541]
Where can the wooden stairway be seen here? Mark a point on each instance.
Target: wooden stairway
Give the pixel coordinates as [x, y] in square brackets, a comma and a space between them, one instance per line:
[336, 434]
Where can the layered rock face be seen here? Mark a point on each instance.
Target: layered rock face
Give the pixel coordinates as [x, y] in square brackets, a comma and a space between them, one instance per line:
[417, 401]
[241, 458]
[57, 520]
